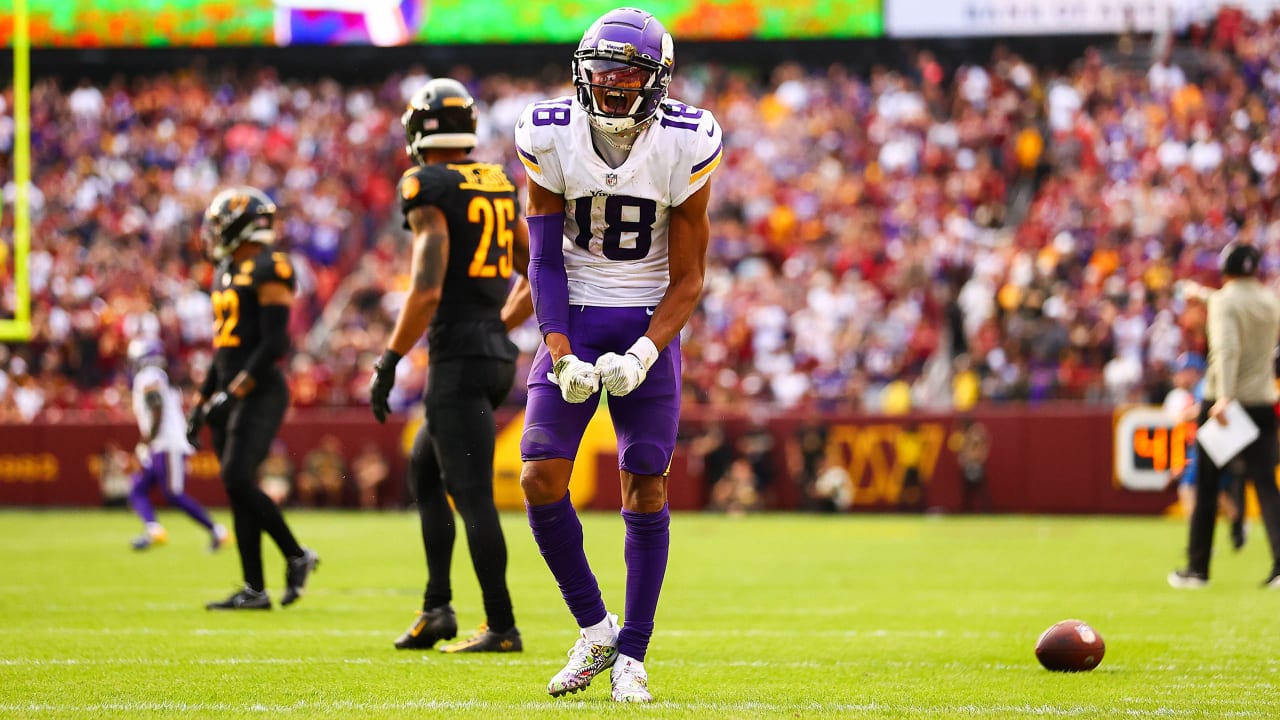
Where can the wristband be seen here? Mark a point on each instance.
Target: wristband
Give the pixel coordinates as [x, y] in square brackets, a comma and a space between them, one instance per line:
[390, 358]
[645, 351]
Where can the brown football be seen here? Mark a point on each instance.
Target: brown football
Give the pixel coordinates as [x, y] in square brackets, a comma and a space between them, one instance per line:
[1070, 646]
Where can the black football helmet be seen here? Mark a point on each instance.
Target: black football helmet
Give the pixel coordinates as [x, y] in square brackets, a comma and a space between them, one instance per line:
[441, 114]
[1239, 260]
[237, 215]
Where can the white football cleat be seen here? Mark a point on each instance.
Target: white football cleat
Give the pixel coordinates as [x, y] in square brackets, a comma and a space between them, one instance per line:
[630, 681]
[587, 659]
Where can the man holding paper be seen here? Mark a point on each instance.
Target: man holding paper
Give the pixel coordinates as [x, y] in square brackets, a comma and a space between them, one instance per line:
[1237, 417]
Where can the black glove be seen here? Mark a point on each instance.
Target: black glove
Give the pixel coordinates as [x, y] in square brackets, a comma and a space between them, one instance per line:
[384, 378]
[195, 421]
[219, 407]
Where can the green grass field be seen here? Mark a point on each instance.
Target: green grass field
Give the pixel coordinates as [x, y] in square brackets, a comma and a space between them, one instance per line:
[762, 617]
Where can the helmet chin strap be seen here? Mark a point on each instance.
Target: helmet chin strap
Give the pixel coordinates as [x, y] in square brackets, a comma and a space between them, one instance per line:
[625, 137]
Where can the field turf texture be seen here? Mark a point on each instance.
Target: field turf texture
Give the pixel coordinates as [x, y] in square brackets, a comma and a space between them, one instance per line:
[764, 616]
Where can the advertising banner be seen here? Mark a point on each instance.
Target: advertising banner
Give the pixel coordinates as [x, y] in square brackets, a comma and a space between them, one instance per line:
[1015, 460]
[994, 18]
[209, 23]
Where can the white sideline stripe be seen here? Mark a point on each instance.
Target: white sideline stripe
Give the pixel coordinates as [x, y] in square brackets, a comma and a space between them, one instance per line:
[713, 633]
[550, 662]
[714, 709]
[62, 662]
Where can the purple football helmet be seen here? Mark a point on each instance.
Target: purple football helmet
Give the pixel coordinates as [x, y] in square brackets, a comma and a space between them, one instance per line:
[144, 352]
[622, 69]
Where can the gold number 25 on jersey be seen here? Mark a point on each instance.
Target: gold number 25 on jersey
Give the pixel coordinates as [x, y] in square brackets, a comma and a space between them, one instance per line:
[226, 315]
[497, 216]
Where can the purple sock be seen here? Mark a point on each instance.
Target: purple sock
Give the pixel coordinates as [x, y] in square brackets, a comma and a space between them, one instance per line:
[647, 543]
[139, 498]
[189, 506]
[558, 532]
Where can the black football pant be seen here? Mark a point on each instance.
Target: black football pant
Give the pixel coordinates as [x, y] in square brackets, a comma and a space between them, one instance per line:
[1257, 464]
[242, 446]
[453, 455]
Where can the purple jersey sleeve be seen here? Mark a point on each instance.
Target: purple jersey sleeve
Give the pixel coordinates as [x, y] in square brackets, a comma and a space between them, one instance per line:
[547, 277]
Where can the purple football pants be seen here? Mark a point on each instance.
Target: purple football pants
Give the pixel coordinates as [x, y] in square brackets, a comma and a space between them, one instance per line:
[645, 420]
[166, 471]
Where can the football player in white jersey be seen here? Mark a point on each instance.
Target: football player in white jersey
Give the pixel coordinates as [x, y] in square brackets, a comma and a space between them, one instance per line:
[162, 452]
[618, 229]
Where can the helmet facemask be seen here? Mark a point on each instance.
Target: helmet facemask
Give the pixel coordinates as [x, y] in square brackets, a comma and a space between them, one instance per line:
[236, 216]
[622, 68]
[619, 96]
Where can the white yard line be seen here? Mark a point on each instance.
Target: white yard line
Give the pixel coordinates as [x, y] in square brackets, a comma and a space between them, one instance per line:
[418, 659]
[709, 632]
[710, 709]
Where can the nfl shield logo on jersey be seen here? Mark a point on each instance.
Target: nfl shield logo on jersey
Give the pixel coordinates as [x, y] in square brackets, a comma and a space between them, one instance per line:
[611, 179]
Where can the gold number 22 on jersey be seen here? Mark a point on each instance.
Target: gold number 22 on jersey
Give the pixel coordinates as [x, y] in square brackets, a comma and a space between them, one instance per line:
[226, 315]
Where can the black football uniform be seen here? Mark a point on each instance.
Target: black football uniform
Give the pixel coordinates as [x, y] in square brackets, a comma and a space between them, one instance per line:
[479, 204]
[236, 314]
[243, 442]
[471, 371]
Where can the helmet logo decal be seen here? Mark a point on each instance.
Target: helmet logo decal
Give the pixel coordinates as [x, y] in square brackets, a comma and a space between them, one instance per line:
[616, 48]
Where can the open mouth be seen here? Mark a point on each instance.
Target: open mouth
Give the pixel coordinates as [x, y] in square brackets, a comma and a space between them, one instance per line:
[616, 102]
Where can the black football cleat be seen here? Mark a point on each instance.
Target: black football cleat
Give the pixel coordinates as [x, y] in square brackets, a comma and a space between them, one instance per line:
[430, 627]
[488, 641]
[295, 575]
[1273, 581]
[1187, 579]
[1238, 535]
[245, 599]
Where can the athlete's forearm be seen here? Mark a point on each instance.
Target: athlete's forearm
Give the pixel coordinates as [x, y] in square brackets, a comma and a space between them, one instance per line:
[242, 384]
[675, 309]
[689, 233]
[519, 304]
[210, 384]
[274, 344]
[416, 315]
[426, 273]
[157, 414]
[548, 280]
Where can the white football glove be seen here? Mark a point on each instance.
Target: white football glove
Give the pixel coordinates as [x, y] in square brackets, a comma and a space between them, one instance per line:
[142, 451]
[578, 380]
[621, 374]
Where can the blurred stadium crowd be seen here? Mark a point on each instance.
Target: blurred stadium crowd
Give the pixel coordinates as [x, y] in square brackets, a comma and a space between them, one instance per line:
[918, 236]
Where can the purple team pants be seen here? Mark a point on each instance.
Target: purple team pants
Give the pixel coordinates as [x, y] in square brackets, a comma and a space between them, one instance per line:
[645, 420]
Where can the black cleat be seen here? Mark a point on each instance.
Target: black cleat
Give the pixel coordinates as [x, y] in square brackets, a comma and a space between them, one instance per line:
[487, 641]
[1238, 535]
[1187, 579]
[245, 599]
[431, 627]
[295, 575]
[1273, 581]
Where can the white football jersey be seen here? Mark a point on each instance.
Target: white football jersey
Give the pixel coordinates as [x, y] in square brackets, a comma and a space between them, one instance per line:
[615, 242]
[173, 426]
